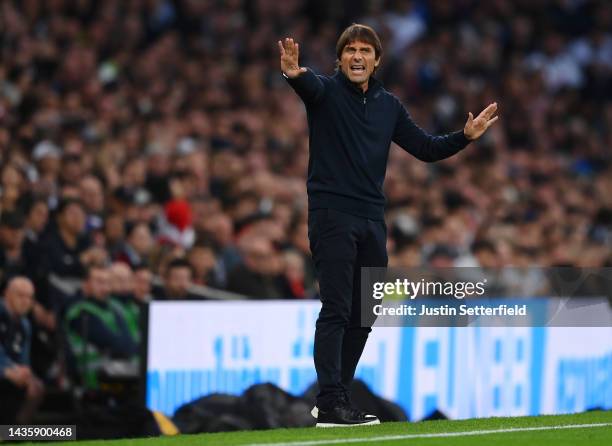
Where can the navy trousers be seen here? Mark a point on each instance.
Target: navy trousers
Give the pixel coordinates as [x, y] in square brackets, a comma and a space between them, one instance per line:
[341, 244]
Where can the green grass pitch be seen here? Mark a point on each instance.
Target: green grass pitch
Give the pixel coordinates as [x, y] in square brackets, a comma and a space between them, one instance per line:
[588, 429]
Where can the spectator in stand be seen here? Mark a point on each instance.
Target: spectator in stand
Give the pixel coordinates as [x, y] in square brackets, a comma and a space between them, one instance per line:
[44, 321]
[217, 228]
[93, 321]
[37, 217]
[259, 274]
[123, 299]
[67, 251]
[46, 167]
[138, 247]
[485, 254]
[12, 261]
[294, 276]
[203, 264]
[91, 193]
[143, 284]
[178, 282]
[22, 392]
[13, 184]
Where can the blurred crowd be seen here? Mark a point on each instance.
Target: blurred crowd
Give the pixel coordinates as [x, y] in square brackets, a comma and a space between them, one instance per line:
[151, 148]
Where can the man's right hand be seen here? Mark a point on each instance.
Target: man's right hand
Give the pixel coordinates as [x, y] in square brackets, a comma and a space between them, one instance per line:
[18, 375]
[289, 55]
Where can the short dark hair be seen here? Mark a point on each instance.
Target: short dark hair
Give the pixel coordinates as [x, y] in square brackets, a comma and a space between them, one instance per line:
[89, 269]
[483, 245]
[178, 262]
[358, 32]
[65, 203]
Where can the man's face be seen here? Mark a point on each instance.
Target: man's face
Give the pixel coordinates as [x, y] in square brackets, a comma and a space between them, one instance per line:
[358, 61]
[122, 278]
[73, 219]
[38, 217]
[178, 282]
[98, 284]
[142, 283]
[141, 240]
[19, 296]
[11, 238]
[92, 194]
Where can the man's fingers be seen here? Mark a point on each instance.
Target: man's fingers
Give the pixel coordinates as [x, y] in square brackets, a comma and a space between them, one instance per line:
[492, 121]
[290, 46]
[489, 111]
[281, 48]
[470, 117]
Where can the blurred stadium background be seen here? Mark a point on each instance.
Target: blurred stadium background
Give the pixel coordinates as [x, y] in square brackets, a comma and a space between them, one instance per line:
[152, 153]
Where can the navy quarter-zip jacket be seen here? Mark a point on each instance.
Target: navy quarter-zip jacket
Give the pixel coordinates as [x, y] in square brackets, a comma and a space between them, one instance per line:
[350, 136]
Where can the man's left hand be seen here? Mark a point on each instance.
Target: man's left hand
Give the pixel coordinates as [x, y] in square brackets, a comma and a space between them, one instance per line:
[475, 127]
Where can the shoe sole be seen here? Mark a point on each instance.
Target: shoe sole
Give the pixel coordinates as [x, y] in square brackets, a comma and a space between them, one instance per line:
[369, 423]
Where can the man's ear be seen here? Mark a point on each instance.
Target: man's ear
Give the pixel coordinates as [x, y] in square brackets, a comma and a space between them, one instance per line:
[377, 63]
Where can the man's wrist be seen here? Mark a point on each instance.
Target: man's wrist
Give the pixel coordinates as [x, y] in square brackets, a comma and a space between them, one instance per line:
[297, 70]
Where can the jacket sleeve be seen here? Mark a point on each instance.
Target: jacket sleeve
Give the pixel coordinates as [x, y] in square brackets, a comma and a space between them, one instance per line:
[416, 141]
[27, 342]
[309, 86]
[117, 344]
[5, 361]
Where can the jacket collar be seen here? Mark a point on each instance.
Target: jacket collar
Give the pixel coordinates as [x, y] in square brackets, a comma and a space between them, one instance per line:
[373, 83]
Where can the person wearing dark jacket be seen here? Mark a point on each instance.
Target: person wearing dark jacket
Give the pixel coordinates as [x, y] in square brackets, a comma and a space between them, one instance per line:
[352, 121]
[66, 253]
[96, 331]
[257, 275]
[12, 261]
[21, 390]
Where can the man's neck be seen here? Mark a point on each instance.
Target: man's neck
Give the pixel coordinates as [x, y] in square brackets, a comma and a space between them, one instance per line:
[69, 239]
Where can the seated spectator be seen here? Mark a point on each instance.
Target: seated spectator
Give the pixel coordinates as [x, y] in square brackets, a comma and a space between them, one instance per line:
[203, 263]
[11, 241]
[44, 321]
[96, 332]
[123, 299]
[216, 228]
[143, 284]
[114, 234]
[294, 274]
[138, 247]
[67, 252]
[22, 392]
[12, 184]
[91, 192]
[178, 281]
[37, 217]
[258, 276]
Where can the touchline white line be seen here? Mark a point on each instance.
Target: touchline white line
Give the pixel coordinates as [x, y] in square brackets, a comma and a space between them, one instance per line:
[432, 435]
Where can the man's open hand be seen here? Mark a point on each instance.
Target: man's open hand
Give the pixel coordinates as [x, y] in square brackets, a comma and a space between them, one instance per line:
[289, 55]
[475, 127]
